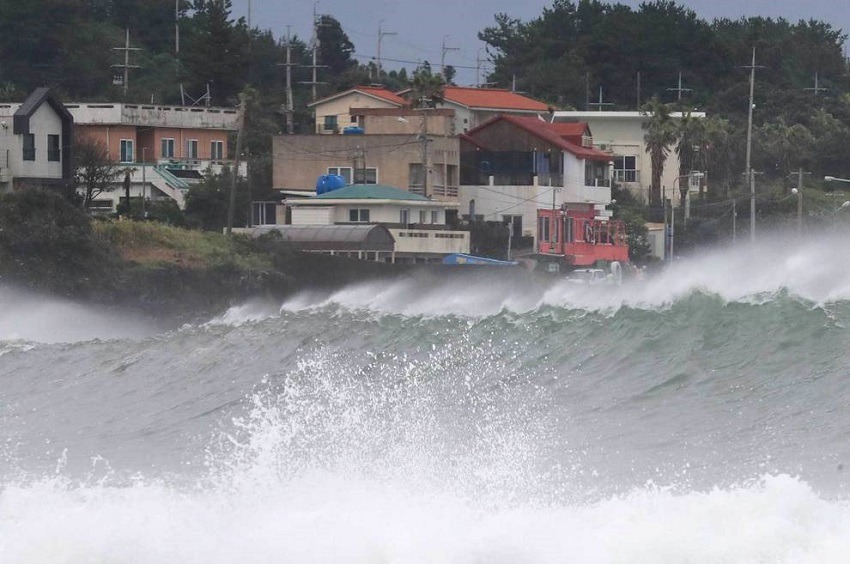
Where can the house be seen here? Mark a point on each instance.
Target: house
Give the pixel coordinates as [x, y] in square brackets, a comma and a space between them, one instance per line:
[475, 106]
[512, 166]
[418, 225]
[333, 114]
[622, 134]
[165, 148]
[36, 140]
[389, 159]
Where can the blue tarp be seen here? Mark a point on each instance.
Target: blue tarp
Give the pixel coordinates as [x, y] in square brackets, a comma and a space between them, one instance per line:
[459, 259]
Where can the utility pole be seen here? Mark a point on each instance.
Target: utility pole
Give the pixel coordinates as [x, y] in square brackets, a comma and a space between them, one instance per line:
[638, 91]
[478, 61]
[176, 27]
[443, 55]
[381, 35]
[679, 88]
[240, 126]
[799, 193]
[750, 178]
[817, 89]
[426, 180]
[315, 47]
[290, 105]
[126, 66]
[600, 104]
[734, 221]
[250, 6]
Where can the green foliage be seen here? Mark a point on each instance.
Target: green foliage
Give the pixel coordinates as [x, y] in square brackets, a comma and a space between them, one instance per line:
[208, 201]
[661, 133]
[47, 243]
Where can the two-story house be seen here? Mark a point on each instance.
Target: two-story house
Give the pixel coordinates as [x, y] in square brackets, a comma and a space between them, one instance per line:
[165, 148]
[36, 140]
[333, 114]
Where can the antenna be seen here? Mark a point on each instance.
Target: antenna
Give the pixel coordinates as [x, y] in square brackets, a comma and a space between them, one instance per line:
[679, 88]
[817, 89]
[381, 35]
[443, 55]
[176, 27]
[600, 103]
[125, 81]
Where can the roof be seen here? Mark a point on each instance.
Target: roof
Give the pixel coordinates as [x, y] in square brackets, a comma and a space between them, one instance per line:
[335, 237]
[33, 103]
[492, 98]
[378, 92]
[371, 192]
[561, 135]
[588, 115]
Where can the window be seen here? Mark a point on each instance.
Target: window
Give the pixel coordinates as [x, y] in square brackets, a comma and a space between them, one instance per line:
[543, 229]
[264, 213]
[416, 178]
[29, 147]
[625, 169]
[192, 149]
[514, 222]
[54, 153]
[365, 176]
[167, 149]
[404, 217]
[331, 123]
[217, 150]
[358, 215]
[423, 215]
[343, 171]
[127, 152]
[435, 217]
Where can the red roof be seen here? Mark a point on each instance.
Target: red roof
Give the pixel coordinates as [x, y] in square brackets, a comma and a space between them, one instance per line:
[566, 136]
[376, 91]
[492, 98]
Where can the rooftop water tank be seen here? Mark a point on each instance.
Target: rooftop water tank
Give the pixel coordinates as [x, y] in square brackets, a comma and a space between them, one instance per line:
[329, 183]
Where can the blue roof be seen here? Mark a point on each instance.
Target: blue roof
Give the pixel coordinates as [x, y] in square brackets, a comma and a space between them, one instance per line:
[371, 192]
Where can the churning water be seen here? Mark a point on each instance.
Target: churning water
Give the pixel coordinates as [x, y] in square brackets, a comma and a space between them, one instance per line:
[702, 416]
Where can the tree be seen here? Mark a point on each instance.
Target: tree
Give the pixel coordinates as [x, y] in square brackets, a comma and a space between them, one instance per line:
[95, 172]
[335, 48]
[660, 135]
[426, 87]
[207, 202]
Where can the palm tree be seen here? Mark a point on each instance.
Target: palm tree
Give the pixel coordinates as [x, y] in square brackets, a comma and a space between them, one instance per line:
[691, 140]
[660, 135]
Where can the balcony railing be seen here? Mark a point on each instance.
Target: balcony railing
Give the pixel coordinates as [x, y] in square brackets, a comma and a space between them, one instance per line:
[624, 176]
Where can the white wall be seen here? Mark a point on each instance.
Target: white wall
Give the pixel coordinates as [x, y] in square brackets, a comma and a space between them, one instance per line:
[312, 215]
[420, 241]
[43, 122]
[493, 202]
[154, 116]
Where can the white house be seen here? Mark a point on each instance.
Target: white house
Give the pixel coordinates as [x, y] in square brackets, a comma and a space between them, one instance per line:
[418, 225]
[622, 134]
[511, 167]
[35, 143]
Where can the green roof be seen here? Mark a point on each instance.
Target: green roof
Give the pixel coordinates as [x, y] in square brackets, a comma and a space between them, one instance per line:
[371, 192]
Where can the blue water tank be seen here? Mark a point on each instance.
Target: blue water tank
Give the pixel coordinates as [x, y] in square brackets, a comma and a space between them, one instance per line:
[353, 130]
[329, 183]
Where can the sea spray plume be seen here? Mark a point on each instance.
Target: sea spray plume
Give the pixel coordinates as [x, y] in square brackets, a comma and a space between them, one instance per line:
[814, 269]
[429, 424]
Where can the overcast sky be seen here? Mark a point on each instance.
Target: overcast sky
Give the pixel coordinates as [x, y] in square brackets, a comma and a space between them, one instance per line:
[422, 25]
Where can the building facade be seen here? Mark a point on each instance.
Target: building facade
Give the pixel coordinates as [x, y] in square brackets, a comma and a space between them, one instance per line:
[333, 114]
[622, 134]
[418, 225]
[36, 143]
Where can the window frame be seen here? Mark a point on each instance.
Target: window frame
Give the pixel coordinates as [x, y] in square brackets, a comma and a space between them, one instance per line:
[348, 178]
[54, 154]
[28, 147]
[217, 155]
[122, 153]
[189, 152]
[166, 147]
[358, 215]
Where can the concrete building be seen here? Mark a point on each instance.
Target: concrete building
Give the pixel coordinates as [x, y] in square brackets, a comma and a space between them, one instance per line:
[513, 166]
[36, 140]
[165, 148]
[622, 134]
[418, 225]
[333, 114]
[392, 159]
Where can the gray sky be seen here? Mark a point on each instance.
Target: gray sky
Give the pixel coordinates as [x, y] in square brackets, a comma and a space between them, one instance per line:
[421, 26]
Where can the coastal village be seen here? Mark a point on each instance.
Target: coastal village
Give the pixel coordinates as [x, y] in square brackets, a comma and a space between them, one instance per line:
[412, 170]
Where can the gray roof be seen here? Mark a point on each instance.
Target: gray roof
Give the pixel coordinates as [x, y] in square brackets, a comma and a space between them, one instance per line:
[32, 103]
[334, 237]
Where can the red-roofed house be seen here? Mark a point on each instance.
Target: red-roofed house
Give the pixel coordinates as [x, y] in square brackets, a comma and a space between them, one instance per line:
[513, 167]
[474, 106]
[333, 114]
